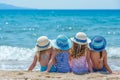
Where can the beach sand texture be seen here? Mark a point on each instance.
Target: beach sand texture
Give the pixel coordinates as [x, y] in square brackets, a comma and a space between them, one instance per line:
[35, 75]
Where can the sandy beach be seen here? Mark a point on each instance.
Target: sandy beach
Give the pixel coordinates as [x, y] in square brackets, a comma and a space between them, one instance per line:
[35, 75]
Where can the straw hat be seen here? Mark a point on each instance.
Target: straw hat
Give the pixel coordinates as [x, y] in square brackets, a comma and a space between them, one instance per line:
[62, 43]
[81, 38]
[43, 43]
[98, 43]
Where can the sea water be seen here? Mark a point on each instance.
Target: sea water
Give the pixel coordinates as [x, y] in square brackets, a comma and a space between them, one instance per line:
[19, 30]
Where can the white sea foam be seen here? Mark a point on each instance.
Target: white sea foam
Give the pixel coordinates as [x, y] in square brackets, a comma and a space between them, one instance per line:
[15, 53]
[113, 52]
[114, 67]
[20, 58]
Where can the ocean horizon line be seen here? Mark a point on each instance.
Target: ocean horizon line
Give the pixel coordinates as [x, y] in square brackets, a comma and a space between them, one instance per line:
[68, 9]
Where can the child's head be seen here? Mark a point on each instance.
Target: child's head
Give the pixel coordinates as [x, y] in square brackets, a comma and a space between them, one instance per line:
[81, 38]
[62, 43]
[80, 42]
[43, 44]
[98, 43]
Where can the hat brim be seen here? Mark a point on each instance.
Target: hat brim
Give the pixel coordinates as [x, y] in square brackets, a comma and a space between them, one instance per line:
[41, 49]
[88, 41]
[95, 49]
[61, 48]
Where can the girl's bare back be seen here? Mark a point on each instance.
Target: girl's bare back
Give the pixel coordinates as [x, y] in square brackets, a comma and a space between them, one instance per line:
[97, 61]
[44, 58]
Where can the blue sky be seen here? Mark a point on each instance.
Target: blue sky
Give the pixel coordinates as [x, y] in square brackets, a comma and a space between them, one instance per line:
[65, 4]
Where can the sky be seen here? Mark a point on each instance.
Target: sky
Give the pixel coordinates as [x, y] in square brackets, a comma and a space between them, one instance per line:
[65, 4]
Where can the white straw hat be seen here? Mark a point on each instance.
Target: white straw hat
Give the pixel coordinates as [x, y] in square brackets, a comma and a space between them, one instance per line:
[43, 43]
[81, 38]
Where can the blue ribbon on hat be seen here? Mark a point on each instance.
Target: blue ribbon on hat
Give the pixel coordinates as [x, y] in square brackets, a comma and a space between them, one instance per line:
[78, 40]
[43, 46]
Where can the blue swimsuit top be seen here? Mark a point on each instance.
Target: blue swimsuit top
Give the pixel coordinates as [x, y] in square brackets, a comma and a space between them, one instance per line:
[62, 62]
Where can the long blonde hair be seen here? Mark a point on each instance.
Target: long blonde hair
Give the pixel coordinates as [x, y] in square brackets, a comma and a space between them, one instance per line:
[78, 50]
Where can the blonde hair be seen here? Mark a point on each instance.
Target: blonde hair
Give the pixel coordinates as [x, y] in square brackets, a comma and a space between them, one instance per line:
[39, 53]
[78, 50]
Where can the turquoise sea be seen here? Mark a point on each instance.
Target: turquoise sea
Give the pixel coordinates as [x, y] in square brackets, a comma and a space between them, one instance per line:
[19, 30]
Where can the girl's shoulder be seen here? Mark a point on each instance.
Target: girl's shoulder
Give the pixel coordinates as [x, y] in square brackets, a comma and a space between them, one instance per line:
[48, 51]
[87, 49]
[37, 53]
[104, 52]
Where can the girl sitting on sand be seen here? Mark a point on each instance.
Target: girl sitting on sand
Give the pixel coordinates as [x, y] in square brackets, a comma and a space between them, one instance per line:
[62, 44]
[43, 54]
[98, 54]
[80, 56]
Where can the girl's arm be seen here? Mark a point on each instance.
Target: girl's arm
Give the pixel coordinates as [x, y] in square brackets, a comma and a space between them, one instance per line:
[70, 59]
[33, 63]
[53, 52]
[105, 62]
[89, 60]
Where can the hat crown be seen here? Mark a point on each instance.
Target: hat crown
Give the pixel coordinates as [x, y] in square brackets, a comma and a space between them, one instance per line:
[98, 43]
[81, 36]
[42, 41]
[62, 41]
[98, 39]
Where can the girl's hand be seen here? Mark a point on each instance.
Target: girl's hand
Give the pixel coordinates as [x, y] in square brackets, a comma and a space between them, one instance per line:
[46, 72]
[30, 70]
[117, 73]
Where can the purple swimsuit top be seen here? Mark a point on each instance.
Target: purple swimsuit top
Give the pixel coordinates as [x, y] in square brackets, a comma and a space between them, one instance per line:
[79, 65]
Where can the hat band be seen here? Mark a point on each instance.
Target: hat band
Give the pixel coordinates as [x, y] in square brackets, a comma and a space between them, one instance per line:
[78, 40]
[43, 46]
[99, 48]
